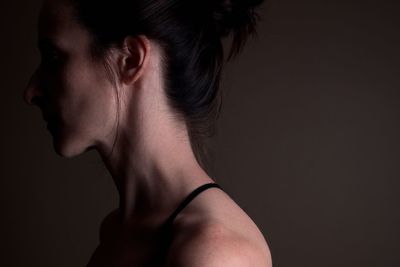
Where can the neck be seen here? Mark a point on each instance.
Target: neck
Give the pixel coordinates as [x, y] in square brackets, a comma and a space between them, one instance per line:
[153, 175]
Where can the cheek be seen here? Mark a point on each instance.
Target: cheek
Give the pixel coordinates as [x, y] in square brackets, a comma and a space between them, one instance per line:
[89, 103]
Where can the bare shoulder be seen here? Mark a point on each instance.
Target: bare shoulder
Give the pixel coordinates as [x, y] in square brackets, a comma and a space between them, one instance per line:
[213, 244]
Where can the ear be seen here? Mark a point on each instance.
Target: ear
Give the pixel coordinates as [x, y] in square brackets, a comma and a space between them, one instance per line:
[134, 57]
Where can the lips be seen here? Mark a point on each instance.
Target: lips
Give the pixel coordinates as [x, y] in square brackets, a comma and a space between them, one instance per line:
[44, 114]
[51, 127]
[50, 120]
[46, 117]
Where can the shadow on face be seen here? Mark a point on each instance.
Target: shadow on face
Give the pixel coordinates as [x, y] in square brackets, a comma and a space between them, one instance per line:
[71, 90]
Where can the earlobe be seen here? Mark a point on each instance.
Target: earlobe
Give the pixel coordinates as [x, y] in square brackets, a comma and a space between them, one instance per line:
[135, 54]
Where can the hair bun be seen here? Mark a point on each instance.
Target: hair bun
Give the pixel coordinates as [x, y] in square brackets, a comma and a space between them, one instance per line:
[237, 17]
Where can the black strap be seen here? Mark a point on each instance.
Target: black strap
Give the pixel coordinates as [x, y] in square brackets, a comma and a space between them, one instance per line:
[189, 198]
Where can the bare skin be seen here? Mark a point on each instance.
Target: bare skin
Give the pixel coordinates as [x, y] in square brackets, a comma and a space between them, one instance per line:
[152, 163]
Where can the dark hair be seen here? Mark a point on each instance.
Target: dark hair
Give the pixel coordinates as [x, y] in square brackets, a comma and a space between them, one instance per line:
[190, 32]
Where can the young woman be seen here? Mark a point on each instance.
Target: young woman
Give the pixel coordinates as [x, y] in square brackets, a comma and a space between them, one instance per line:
[138, 81]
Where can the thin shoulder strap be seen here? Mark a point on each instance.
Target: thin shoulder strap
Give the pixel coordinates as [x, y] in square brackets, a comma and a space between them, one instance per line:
[189, 198]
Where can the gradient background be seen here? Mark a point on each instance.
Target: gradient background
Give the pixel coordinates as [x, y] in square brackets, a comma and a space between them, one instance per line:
[308, 142]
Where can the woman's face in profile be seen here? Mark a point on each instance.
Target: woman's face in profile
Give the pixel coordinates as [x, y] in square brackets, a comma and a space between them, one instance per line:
[70, 88]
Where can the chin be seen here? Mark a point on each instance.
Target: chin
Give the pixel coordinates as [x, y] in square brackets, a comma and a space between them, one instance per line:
[68, 149]
[64, 151]
[69, 143]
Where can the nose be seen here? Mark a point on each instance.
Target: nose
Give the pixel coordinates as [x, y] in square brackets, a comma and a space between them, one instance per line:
[32, 91]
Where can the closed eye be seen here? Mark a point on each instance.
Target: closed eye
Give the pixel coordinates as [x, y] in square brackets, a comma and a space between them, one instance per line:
[49, 56]
[49, 53]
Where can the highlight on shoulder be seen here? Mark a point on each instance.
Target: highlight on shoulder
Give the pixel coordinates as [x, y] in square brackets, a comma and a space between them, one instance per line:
[214, 245]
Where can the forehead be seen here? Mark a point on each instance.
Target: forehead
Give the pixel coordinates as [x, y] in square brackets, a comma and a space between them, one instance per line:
[54, 16]
[56, 23]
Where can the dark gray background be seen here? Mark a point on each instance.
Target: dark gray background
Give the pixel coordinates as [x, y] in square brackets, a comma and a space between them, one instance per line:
[308, 142]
